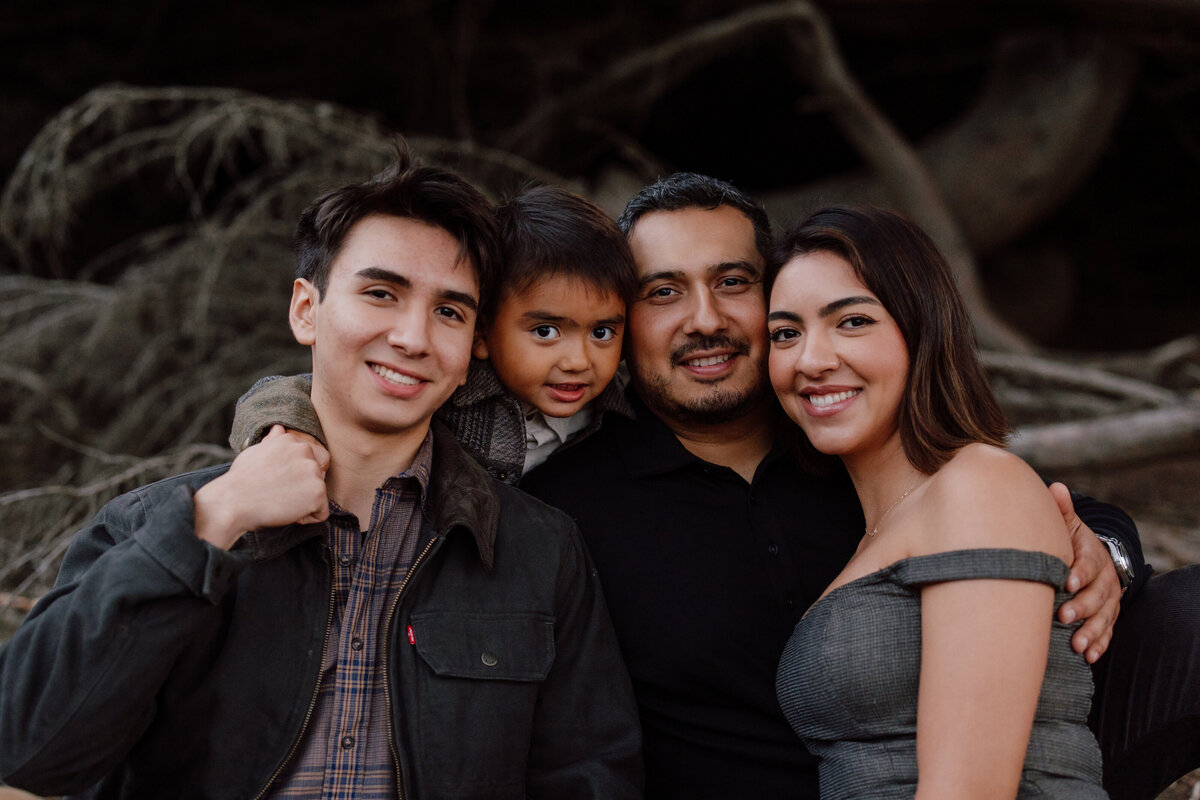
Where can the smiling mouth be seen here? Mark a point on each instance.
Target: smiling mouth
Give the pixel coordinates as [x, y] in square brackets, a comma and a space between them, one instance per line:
[826, 400]
[391, 376]
[708, 361]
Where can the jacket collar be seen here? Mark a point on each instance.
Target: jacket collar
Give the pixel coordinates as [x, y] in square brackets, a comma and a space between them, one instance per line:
[461, 495]
[482, 384]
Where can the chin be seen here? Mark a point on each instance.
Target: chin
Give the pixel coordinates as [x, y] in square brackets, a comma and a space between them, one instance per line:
[830, 446]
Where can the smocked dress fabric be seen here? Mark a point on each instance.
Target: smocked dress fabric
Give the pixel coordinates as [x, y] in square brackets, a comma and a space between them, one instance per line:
[848, 681]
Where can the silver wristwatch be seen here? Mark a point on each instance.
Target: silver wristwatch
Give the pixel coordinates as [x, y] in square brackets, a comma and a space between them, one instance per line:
[1120, 559]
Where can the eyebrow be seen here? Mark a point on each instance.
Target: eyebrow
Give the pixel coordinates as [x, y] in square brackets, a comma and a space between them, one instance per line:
[712, 271]
[538, 315]
[824, 311]
[838, 305]
[396, 279]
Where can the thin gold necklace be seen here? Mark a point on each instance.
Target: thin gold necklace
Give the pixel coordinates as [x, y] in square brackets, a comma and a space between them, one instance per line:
[883, 516]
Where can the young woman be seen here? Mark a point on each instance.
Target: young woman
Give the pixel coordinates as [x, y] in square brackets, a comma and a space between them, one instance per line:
[933, 664]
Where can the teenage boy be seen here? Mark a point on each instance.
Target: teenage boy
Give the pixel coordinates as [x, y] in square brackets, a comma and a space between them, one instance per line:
[394, 623]
[548, 346]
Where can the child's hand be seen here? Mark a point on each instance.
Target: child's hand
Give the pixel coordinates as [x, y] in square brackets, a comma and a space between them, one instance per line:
[279, 481]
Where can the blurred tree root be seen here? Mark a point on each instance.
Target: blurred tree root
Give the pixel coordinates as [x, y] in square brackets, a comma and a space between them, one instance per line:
[145, 260]
[145, 266]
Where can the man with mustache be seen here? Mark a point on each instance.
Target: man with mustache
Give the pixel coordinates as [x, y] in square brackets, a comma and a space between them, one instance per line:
[711, 539]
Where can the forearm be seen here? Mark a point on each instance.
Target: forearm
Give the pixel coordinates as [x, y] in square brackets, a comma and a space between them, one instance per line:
[275, 400]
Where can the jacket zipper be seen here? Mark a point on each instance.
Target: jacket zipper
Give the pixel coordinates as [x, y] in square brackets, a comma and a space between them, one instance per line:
[387, 680]
[312, 703]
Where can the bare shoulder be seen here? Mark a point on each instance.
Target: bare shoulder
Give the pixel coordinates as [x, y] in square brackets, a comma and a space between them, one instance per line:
[987, 497]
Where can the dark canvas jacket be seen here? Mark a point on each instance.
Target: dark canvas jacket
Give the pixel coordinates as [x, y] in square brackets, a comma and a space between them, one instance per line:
[162, 667]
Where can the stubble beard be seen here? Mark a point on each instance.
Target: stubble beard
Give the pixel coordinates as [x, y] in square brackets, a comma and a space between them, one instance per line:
[715, 406]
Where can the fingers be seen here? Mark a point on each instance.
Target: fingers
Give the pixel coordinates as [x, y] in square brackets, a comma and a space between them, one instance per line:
[1092, 579]
[320, 455]
[1098, 603]
[1066, 507]
[1098, 608]
[1089, 562]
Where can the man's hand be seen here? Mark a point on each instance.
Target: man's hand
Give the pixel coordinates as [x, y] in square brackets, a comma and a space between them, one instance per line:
[1094, 580]
[279, 481]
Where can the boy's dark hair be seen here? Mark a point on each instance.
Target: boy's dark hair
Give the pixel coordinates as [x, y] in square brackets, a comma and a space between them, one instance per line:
[546, 231]
[428, 194]
[685, 190]
[948, 400]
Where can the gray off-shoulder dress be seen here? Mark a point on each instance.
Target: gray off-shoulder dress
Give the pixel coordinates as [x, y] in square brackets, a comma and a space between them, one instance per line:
[848, 681]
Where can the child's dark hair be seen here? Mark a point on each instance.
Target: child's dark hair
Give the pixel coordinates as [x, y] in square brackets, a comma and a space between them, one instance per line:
[546, 231]
[428, 194]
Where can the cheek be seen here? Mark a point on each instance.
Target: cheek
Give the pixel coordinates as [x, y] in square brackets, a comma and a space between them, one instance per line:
[456, 352]
[605, 360]
[779, 368]
[649, 327]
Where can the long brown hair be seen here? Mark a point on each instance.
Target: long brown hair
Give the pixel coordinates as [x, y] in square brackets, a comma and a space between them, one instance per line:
[948, 400]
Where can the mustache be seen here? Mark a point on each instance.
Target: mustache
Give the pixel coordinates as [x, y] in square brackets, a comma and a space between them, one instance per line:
[700, 343]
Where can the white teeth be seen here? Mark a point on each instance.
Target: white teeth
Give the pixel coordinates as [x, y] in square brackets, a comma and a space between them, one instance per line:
[824, 400]
[710, 361]
[391, 376]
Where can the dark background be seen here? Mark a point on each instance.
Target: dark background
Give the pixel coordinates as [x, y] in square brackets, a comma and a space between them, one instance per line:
[1120, 254]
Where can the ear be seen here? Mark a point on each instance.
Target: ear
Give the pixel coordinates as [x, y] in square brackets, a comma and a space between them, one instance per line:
[302, 313]
[479, 348]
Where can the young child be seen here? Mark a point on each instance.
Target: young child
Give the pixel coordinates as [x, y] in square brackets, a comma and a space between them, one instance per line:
[547, 346]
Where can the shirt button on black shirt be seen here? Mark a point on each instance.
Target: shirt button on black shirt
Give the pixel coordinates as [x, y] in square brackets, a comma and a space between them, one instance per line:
[773, 549]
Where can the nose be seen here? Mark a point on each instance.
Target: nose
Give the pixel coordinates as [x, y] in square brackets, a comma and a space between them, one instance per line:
[409, 331]
[705, 317]
[573, 355]
[817, 354]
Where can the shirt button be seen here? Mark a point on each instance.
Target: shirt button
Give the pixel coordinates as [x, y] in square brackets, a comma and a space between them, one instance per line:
[503, 476]
[356, 643]
[773, 549]
[345, 561]
[489, 659]
[347, 742]
[791, 603]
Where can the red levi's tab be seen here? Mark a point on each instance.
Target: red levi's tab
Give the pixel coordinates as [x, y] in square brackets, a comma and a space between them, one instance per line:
[412, 638]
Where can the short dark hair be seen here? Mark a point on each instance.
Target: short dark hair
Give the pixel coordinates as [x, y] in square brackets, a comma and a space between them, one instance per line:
[948, 401]
[685, 190]
[547, 231]
[432, 195]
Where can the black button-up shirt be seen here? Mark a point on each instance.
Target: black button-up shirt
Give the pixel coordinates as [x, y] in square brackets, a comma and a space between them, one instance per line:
[705, 576]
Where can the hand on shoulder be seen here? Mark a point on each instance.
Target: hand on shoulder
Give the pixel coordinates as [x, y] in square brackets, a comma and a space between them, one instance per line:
[279, 481]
